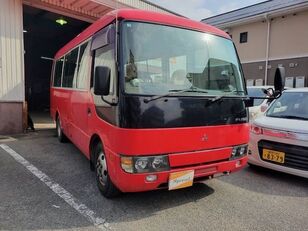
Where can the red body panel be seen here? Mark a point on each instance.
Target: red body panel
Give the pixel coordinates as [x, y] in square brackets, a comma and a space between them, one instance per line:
[205, 149]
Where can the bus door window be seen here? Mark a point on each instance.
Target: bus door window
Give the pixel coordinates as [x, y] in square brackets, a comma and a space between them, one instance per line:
[103, 47]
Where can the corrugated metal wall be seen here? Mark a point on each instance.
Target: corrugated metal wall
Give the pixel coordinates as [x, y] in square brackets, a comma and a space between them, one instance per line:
[143, 5]
[11, 51]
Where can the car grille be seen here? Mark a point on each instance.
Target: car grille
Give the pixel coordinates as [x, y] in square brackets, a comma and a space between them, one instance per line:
[295, 156]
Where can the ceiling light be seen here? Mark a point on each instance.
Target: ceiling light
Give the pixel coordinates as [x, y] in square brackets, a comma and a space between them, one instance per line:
[61, 21]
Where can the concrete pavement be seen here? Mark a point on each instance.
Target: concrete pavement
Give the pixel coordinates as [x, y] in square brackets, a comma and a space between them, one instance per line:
[247, 200]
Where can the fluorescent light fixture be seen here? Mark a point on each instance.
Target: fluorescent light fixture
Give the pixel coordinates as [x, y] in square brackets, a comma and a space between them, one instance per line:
[61, 21]
[47, 58]
[25, 31]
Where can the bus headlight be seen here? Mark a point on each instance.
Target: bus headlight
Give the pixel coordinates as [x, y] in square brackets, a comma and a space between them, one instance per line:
[239, 151]
[143, 164]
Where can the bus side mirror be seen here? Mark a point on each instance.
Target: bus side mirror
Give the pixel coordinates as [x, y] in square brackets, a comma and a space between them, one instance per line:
[279, 80]
[102, 80]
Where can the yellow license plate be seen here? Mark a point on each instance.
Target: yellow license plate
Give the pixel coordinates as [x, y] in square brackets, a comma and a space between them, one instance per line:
[181, 179]
[274, 156]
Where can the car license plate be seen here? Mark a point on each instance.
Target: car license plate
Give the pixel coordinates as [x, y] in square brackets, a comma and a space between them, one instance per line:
[181, 179]
[274, 156]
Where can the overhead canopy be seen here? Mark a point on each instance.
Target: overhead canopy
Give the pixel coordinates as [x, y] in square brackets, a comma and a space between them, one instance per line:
[91, 10]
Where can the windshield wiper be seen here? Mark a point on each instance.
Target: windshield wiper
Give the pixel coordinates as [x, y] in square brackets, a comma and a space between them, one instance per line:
[220, 97]
[175, 91]
[289, 117]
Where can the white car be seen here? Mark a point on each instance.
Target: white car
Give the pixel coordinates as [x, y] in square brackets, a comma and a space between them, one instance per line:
[259, 105]
[279, 139]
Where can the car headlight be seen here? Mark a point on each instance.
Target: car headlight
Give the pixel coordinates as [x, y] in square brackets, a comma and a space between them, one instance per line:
[142, 164]
[239, 151]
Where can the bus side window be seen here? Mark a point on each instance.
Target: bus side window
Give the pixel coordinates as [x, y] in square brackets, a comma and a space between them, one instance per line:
[69, 68]
[58, 73]
[83, 66]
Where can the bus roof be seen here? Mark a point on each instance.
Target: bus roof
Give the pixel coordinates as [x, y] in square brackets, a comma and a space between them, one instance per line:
[139, 15]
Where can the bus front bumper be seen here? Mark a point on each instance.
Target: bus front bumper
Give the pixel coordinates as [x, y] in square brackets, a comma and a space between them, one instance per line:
[138, 182]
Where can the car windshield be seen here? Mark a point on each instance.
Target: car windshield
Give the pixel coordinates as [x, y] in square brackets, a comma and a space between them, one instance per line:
[160, 59]
[291, 105]
[256, 92]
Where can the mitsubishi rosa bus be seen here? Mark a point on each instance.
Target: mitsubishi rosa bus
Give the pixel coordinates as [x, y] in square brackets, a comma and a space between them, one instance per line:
[152, 100]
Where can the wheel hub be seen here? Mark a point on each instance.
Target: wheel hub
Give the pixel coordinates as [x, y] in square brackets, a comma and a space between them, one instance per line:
[101, 168]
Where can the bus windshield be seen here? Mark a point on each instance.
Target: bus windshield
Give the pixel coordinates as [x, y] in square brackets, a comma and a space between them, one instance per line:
[159, 59]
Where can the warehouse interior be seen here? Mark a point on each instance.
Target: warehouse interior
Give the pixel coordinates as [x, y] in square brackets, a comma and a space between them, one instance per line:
[45, 33]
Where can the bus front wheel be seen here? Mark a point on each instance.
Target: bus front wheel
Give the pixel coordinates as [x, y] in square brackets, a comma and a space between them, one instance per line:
[104, 183]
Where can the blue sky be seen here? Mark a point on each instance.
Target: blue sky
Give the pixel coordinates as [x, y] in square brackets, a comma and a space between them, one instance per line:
[199, 9]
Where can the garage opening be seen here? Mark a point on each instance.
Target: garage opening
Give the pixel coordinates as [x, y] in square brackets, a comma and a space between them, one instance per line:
[44, 34]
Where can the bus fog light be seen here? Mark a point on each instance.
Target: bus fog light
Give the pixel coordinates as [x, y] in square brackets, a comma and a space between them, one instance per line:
[151, 178]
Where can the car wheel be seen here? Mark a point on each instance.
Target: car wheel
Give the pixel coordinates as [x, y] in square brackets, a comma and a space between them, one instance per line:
[61, 136]
[104, 183]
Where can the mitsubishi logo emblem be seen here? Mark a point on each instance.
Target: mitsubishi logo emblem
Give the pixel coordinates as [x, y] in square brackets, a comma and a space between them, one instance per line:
[204, 137]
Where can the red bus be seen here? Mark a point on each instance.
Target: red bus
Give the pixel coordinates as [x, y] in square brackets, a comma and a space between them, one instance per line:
[152, 100]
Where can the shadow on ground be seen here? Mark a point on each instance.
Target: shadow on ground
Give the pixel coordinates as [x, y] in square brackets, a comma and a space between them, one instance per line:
[268, 181]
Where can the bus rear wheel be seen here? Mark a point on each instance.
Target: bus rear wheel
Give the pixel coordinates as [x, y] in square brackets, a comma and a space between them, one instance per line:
[104, 183]
[61, 136]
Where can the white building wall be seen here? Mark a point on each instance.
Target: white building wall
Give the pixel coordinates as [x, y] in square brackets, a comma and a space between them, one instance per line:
[11, 52]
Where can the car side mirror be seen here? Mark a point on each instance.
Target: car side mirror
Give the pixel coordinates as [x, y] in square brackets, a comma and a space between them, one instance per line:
[279, 80]
[102, 80]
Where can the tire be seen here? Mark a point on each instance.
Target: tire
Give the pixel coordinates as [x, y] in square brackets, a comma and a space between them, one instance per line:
[61, 136]
[104, 183]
